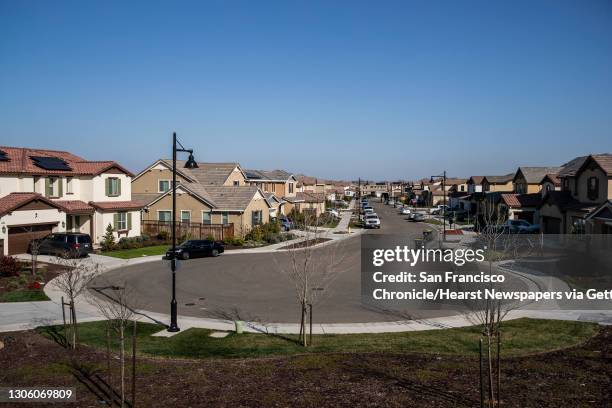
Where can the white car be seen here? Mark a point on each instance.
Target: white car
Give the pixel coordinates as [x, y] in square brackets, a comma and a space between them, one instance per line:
[366, 212]
[439, 209]
[405, 211]
[333, 212]
[372, 221]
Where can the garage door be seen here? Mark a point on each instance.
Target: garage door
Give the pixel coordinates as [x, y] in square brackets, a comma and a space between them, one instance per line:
[20, 237]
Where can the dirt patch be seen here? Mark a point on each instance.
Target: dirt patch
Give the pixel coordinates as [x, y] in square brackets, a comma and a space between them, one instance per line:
[307, 243]
[568, 378]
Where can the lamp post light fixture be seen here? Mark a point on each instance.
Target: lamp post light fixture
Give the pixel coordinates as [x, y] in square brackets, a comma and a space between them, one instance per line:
[190, 164]
[443, 177]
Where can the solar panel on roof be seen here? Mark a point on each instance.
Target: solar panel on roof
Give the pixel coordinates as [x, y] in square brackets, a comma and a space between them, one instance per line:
[3, 156]
[252, 175]
[50, 163]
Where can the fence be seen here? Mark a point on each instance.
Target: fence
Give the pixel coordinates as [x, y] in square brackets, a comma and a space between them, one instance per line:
[189, 230]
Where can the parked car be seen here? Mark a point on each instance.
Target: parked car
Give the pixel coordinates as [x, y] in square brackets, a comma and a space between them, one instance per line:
[372, 221]
[195, 248]
[286, 224]
[333, 212]
[521, 227]
[64, 244]
[405, 211]
[417, 217]
[439, 209]
[366, 212]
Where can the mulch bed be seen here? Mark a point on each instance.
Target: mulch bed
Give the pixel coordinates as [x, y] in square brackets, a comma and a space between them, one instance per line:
[45, 270]
[304, 244]
[576, 377]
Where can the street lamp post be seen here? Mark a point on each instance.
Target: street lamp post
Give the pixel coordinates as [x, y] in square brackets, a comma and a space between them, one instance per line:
[190, 164]
[443, 176]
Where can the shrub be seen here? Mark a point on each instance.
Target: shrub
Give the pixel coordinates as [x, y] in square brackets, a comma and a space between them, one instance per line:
[145, 237]
[163, 235]
[108, 242]
[9, 266]
[210, 237]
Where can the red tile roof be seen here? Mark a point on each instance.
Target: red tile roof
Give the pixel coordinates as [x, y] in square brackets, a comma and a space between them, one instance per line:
[19, 162]
[75, 206]
[522, 200]
[116, 205]
[13, 201]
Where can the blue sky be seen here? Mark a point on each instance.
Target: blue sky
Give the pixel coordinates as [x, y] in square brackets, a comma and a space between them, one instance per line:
[389, 89]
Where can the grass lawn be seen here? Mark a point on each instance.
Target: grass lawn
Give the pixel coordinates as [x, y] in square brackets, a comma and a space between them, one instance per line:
[433, 221]
[520, 337]
[138, 252]
[23, 295]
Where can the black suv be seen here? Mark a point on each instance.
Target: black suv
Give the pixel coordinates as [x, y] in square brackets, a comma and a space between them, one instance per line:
[64, 244]
[196, 248]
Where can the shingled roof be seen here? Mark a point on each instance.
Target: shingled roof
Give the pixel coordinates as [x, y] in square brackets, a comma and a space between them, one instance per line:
[19, 161]
[235, 198]
[499, 179]
[533, 175]
[206, 173]
[270, 175]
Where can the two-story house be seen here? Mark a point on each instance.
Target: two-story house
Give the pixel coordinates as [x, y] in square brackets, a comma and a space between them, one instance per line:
[527, 179]
[581, 204]
[209, 197]
[44, 191]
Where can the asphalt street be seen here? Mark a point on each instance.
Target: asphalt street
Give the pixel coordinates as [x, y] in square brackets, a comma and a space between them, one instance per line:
[258, 287]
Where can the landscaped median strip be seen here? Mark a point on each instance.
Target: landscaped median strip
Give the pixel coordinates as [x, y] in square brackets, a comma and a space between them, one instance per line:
[521, 337]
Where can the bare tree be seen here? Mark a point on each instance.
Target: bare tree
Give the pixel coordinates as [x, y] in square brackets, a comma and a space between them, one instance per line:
[34, 251]
[76, 275]
[311, 269]
[498, 245]
[118, 307]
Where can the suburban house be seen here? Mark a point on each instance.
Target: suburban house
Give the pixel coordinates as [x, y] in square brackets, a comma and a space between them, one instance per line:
[278, 182]
[527, 179]
[45, 191]
[213, 199]
[582, 203]
[474, 184]
[313, 203]
[520, 206]
[550, 182]
[498, 183]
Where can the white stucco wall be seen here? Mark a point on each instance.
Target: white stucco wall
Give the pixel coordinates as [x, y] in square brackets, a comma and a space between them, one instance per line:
[99, 188]
[102, 220]
[9, 185]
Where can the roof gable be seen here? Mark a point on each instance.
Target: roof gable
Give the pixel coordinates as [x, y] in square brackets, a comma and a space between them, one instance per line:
[17, 201]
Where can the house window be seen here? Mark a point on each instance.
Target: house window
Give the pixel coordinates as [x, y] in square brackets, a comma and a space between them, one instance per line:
[185, 216]
[593, 188]
[53, 187]
[549, 187]
[121, 221]
[225, 218]
[69, 185]
[236, 182]
[290, 188]
[113, 187]
[206, 217]
[163, 186]
[462, 187]
[256, 217]
[164, 215]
